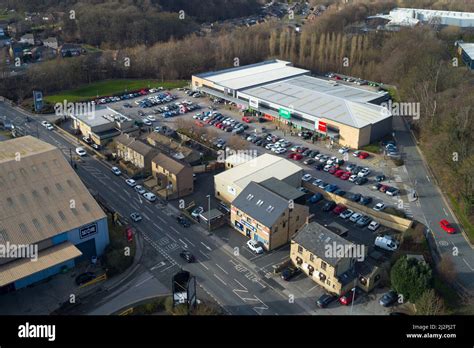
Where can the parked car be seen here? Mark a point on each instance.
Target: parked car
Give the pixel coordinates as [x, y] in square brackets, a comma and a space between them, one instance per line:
[289, 272]
[389, 298]
[116, 171]
[187, 256]
[325, 300]
[255, 246]
[136, 217]
[445, 225]
[85, 278]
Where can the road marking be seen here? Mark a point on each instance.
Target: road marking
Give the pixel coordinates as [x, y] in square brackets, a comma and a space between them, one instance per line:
[187, 240]
[223, 270]
[204, 254]
[207, 247]
[223, 282]
[468, 265]
[203, 265]
[445, 212]
[143, 281]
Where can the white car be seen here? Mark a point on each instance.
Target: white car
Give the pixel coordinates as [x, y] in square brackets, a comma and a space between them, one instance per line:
[364, 172]
[255, 246]
[150, 196]
[140, 189]
[355, 217]
[373, 225]
[346, 214]
[116, 171]
[379, 207]
[196, 212]
[280, 150]
[353, 178]
[344, 150]
[151, 118]
[147, 122]
[306, 177]
[80, 151]
[131, 182]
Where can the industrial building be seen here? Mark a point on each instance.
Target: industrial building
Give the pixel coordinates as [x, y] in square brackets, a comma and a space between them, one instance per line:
[349, 115]
[230, 183]
[270, 212]
[44, 205]
[466, 51]
[102, 124]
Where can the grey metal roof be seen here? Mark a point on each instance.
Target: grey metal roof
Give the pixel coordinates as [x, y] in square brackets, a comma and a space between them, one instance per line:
[261, 204]
[322, 99]
[314, 237]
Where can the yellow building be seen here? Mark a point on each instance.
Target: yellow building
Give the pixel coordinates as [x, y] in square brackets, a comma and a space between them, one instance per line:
[270, 212]
[331, 261]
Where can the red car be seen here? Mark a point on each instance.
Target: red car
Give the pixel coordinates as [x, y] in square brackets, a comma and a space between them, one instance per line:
[332, 170]
[338, 173]
[345, 175]
[339, 209]
[349, 296]
[363, 155]
[446, 226]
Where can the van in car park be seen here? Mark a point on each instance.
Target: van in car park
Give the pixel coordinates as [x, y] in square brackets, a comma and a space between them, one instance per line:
[386, 243]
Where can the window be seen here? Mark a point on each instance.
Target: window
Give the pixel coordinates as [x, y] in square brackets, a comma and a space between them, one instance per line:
[323, 265]
[300, 249]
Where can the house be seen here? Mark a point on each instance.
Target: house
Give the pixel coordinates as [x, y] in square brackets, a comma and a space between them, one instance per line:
[135, 151]
[71, 50]
[270, 212]
[28, 39]
[51, 42]
[172, 178]
[331, 261]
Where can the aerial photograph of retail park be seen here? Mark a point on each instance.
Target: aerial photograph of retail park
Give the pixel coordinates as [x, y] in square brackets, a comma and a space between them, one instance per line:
[246, 157]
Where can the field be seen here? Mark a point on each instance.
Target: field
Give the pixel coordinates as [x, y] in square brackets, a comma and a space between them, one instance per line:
[109, 87]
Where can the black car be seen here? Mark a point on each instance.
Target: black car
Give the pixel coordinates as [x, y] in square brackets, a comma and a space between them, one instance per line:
[183, 221]
[388, 298]
[380, 178]
[361, 181]
[185, 254]
[355, 197]
[289, 273]
[329, 206]
[84, 278]
[365, 200]
[325, 300]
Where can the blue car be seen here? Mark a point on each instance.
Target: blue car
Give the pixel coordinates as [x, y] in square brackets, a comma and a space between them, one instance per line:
[315, 198]
[331, 188]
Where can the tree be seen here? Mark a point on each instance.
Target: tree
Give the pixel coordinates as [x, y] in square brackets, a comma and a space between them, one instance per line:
[430, 304]
[411, 278]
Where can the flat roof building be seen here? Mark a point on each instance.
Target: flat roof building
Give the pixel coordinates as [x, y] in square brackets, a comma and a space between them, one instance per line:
[45, 204]
[349, 115]
[230, 183]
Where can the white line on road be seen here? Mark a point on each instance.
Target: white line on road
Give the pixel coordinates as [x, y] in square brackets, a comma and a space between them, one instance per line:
[206, 246]
[223, 270]
[223, 282]
[468, 265]
[143, 281]
[187, 240]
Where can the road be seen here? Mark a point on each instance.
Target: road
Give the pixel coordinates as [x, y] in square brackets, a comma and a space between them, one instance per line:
[230, 279]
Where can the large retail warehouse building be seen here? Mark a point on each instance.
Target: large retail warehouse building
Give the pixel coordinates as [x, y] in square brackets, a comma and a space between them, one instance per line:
[351, 116]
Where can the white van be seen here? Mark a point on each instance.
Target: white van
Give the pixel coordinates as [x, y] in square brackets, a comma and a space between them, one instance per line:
[386, 243]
